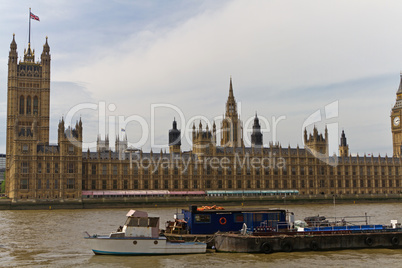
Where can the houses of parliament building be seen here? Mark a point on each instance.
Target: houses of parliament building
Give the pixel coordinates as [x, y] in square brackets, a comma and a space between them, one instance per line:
[36, 170]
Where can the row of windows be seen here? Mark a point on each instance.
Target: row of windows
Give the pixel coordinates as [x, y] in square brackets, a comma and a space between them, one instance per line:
[27, 109]
[156, 175]
[239, 184]
[48, 168]
[70, 167]
[257, 171]
[103, 185]
[47, 184]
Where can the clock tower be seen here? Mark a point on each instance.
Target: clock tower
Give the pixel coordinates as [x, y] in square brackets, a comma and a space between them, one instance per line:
[396, 115]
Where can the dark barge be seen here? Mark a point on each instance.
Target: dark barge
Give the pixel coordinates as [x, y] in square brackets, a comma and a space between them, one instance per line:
[201, 223]
[318, 235]
[306, 241]
[253, 230]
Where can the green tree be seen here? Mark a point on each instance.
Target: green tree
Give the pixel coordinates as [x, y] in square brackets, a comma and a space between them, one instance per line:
[3, 184]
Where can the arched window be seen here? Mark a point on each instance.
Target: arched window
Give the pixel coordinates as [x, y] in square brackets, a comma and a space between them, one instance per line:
[28, 105]
[22, 105]
[35, 105]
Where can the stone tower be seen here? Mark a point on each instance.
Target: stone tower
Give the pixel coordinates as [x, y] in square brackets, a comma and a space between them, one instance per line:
[232, 129]
[316, 143]
[28, 94]
[102, 145]
[396, 128]
[203, 141]
[35, 169]
[256, 135]
[174, 139]
[343, 146]
[28, 103]
[121, 145]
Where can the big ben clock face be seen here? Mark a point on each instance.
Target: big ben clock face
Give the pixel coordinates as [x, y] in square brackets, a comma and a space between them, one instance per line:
[397, 121]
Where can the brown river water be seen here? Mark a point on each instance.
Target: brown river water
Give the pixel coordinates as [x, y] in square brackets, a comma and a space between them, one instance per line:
[54, 238]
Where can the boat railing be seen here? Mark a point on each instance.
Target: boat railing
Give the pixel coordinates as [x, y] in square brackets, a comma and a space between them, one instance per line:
[338, 221]
[345, 228]
[275, 227]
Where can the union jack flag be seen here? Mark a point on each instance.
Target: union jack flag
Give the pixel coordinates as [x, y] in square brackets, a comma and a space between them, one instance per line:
[34, 17]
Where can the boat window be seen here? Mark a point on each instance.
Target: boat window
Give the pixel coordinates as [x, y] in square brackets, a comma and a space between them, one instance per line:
[132, 222]
[273, 216]
[153, 222]
[203, 218]
[257, 217]
[239, 217]
[143, 222]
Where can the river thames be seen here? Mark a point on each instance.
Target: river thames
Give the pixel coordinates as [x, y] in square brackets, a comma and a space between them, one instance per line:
[55, 238]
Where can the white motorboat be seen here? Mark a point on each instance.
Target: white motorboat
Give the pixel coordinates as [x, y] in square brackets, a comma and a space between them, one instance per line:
[140, 236]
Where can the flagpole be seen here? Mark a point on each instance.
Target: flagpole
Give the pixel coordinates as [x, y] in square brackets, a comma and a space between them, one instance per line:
[29, 36]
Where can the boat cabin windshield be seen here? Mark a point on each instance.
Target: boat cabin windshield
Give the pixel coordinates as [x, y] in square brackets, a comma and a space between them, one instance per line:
[142, 222]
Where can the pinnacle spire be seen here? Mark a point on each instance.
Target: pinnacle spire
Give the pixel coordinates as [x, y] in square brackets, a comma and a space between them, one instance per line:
[343, 139]
[13, 45]
[231, 89]
[231, 110]
[400, 86]
[256, 121]
[46, 47]
[174, 123]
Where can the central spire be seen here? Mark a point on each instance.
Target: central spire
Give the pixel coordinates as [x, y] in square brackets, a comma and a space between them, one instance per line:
[231, 106]
[232, 129]
[231, 96]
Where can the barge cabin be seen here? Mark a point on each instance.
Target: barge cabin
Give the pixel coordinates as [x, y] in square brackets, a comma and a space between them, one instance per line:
[210, 220]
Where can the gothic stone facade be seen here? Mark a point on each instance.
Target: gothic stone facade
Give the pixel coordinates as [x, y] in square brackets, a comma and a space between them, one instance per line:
[37, 170]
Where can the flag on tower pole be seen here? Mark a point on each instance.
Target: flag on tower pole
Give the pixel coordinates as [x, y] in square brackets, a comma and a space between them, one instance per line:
[34, 17]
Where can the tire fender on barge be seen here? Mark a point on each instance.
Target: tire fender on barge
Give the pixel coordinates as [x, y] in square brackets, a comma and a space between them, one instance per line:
[368, 241]
[314, 245]
[266, 248]
[395, 241]
[287, 246]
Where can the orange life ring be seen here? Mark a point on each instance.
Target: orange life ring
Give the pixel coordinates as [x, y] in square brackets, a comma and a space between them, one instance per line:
[222, 220]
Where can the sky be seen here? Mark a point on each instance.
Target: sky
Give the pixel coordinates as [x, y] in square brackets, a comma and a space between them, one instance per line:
[138, 65]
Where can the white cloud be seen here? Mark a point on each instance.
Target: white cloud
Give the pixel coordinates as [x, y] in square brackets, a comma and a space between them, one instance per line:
[286, 57]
